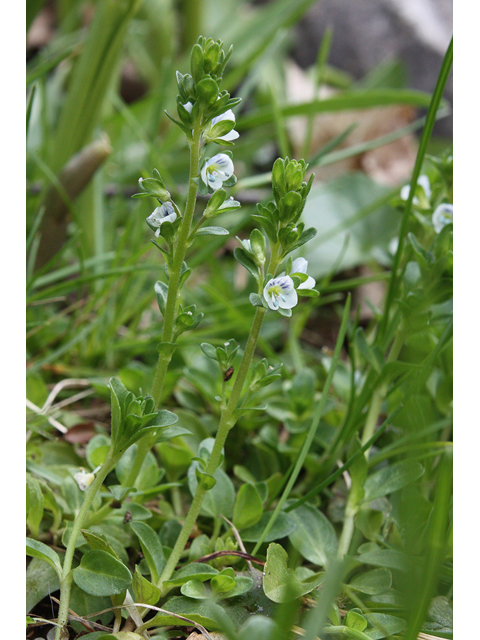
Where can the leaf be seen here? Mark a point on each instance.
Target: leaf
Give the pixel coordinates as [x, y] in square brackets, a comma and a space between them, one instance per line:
[220, 499]
[205, 612]
[222, 582]
[382, 625]
[100, 574]
[282, 527]
[144, 590]
[194, 571]
[392, 478]
[384, 558]
[355, 620]
[212, 231]
[373, 582]
[97, 542]
[242, 586]
[97, 450]
[34, 504]
[279, 582]
[314, 536]
[161, 292]
[248, 507]
[352, 205]
[41, 580]
[36, 549]
[151, 547]
[194, 589]
[241, 257]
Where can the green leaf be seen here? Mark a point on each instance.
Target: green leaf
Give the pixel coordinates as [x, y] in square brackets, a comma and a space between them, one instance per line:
[385, 558]
[205, 612]
[97, 542]
[151, 547]
[282, 527]
[193, 571]
[373, 582]
[248, 507]
[314, 536]
[382, 625]
[209, 350]
[42, 578]
[222, 583]
[34, 504]
[194, 589]
[279, 582]
[392, 478]
[212, 231]
[144, 590]
[365, 349]
[97, 450]
[161, 291]
[36, 549]
[100, 574]
[242, 257]
[355, 620]
[220, 499]
[242, 586]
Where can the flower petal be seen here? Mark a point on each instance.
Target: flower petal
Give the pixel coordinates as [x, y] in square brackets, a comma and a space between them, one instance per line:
[442, 216]
[280, 293]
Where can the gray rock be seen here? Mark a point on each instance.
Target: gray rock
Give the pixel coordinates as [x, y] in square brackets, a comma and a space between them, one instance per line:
[368, 32]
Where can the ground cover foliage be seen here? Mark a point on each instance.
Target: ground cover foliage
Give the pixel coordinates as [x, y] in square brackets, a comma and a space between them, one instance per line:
[325, 509]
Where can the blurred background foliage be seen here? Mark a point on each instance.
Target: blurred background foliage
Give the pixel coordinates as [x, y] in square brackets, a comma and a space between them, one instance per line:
[99, 77]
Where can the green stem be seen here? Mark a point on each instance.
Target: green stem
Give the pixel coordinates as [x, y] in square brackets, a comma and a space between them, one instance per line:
[227, 421]
[175, 272]
[143, 447]
[380, 393]
[67, 576]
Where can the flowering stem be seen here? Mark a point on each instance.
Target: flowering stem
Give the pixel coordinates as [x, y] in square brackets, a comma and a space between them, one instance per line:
[227, 421]
[67, 576]
[176, 266]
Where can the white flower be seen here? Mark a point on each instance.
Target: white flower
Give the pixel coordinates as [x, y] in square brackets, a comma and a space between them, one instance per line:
[188, 106]
[84, 480]
[228, 115]
[300, 266]
[217, 170]
[423, 182]
[442, 216]
[280, 293]
[161, 215]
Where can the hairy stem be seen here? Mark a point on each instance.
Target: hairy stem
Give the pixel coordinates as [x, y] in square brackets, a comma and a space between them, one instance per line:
[227, 421]
[67, 577]
[176, 267]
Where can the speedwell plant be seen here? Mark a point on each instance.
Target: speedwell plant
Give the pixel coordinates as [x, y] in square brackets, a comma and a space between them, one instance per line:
[205, 115]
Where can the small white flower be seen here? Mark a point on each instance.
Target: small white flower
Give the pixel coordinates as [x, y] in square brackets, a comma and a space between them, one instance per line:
[442, 216]
[423, 182]
[160, 215]
[300, 266]
[188, 106]
[228, 115]
[393, 245]
[84, 480]
[217, 170]
[280, 293]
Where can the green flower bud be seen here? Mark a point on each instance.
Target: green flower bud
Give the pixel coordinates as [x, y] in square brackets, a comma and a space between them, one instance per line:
[196, 63]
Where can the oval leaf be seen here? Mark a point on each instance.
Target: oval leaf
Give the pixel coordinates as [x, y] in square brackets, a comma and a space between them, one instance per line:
[100, 574]
[36, 549]
[314, 536]
[248, 507]
[392, 478]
